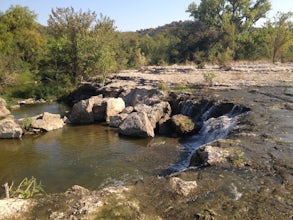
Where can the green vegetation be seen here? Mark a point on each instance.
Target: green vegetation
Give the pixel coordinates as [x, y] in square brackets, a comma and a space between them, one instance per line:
[50, 61]
[28, 188]
[209, 77]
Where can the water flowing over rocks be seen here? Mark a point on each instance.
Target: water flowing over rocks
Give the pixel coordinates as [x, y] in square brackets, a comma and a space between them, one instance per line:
[247, 176]
[209, 155]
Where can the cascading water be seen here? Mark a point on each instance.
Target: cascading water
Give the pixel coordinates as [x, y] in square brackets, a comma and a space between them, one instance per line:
[216, 122]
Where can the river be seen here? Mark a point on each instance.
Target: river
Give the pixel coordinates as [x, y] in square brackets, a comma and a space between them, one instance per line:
[94, 156]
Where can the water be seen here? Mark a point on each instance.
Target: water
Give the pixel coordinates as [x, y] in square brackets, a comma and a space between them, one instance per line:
[212, 129]
[93, 156]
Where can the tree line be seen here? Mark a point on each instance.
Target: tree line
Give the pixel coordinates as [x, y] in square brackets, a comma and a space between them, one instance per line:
[49, 61]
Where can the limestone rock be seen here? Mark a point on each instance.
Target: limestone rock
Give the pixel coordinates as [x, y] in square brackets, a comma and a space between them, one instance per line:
[137, 124]
[182, 124]
[48, 122]
[209, 155]
[4, 112]
[128, 110]
[114, 107]
[182, 187]
[82, 112]
[155, 112]
[115, 121]
[9, 129]
[139, 94]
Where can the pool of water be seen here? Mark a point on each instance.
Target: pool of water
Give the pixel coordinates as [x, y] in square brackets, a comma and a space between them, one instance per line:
[93, 156]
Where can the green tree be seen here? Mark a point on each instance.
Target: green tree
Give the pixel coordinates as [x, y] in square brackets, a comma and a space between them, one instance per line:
[66, 23]
[21, 47]
[279, 34]
[231, 19]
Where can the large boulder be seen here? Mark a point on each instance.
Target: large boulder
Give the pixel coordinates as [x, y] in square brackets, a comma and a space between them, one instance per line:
[155, 112]
[137, 124]
[139, 94]
[47, 122]
[106, 108]
[182, 124]
[82, 112]
[116, 120]
[209, 156]
[4, 112]
[9, 129]
[114, 107]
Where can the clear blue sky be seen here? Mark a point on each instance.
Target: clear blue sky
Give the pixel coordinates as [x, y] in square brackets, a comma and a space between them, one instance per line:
[129, 15]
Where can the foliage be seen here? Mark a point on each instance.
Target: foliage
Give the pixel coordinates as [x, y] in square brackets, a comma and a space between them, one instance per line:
[46, 61]
[230, 19]
[27, 188]
[209, 77]
[26, 123]
[279, 34]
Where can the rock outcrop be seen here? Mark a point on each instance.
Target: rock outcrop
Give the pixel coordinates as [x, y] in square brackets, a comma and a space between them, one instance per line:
[47, 122]
[137, 124]
[10, 129]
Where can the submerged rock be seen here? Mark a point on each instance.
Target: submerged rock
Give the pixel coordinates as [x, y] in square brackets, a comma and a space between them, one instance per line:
[47, 122]
[182, 187]
[10, 129]
[209, 155]
[137, 124]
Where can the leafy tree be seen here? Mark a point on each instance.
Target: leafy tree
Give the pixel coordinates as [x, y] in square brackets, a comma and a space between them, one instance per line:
[21, 46]
[67, 24]
[231, 19]
[279, 34]
[242, 13]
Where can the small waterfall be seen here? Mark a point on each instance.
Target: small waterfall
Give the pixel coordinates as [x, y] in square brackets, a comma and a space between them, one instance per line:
[212, 129]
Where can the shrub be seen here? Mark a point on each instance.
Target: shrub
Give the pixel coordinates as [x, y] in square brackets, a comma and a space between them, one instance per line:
[209, 77]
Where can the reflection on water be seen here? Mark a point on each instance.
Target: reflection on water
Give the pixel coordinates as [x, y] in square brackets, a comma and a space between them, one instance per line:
[93, 156]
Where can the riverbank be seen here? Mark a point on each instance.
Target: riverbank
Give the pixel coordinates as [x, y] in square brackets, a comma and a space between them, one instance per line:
[256, 183]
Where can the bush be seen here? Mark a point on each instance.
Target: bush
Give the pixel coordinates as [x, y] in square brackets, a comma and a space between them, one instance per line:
[209, 77]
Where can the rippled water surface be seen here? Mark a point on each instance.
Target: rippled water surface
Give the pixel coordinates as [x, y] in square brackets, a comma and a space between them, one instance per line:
[93, 156]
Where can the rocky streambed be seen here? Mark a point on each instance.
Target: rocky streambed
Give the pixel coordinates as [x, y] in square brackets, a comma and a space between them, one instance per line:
[247, 175]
